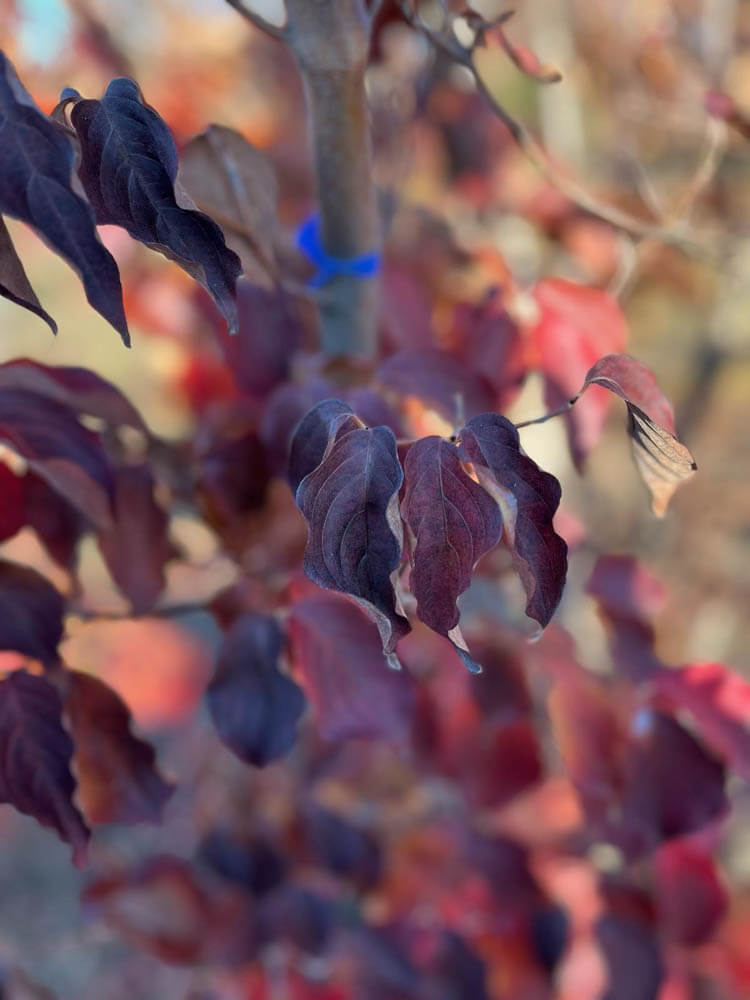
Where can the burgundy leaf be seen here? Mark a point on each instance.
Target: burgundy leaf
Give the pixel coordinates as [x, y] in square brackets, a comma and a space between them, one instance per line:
[128, 170]
[117, 777]
[81, 390]
[350, 503]
[489, 341]
[12, 502]
[318, 428]
[454, 521]
[575, 327]
[284, 409]
[35, 755]
[235, 184]
[631, 951]
[673, 785]
[136, 548]
[718, 701]
[14, 284]
[255, 707]
[340, 658]
[59, 449]
[36, 164]
[528, 498]
[440, 380]
[31, 613]
[662, 461]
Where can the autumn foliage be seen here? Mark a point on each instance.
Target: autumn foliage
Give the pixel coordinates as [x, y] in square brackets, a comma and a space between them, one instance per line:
[437, 796]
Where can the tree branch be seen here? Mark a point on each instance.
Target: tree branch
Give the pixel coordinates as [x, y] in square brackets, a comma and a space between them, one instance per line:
[259, 21]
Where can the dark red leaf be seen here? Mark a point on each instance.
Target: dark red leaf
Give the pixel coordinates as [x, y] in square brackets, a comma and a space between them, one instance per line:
[128, 169]
[31, 613]
[285, 408]
[350, 503]
[454, 521]
[116, 771]
[439, 380]
[35, 755]
[14, 284]
[690, 895]
[629, 597]
[136, 548]
[673, 785]
[57, 447]
[489, 342]
[528, 498]
[340, 658]
[718, 701]
[575, 327]
[255, 707]
[81, 390]
[317, 430]
[662, 461]
[12, 502]
[36, 164]
[511, 763]
[57, 523]
[163, 908]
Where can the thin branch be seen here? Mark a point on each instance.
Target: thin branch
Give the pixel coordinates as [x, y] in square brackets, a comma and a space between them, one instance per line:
[548, 416]
[280, 34]
[640, 228]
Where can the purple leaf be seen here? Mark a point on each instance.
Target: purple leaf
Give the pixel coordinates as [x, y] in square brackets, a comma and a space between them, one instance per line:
[528, 498]
[35, 754]
[136, 547]
[350, 503]
[440, 380]
[31, 613]
[255, 707]
[128, 169]
[312, 436]
[662, 461]
[79, 389]
[285, 407]
[454, 521]
[36, 164]
[60, 450]
[14, 284]
[339, 655]
[57, 523]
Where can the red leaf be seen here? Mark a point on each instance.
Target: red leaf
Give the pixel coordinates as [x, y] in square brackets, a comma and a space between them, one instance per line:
[350, 503]
[576, 326]
[136, 548]
[690, 895]
[355, 694]
[489, 342]
[454, 522]
[117, 778]
[35, 754]
[718, 701]
[255, 707]
[528, 498]
[31, 613]
[662, 461]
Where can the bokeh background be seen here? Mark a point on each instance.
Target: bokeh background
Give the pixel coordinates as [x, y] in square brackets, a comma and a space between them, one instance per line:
[628, 121]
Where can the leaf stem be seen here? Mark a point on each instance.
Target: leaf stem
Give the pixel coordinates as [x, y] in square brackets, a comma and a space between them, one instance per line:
[548, 416]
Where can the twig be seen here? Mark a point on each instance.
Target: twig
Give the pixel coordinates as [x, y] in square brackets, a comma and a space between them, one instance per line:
[548, 416]
[641, 228]
[280, 34]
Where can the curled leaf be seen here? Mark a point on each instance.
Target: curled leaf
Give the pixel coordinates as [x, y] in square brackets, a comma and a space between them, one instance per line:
[454, 521]
[528, 498]
[350, 503]
[128, 170]
[661, 459]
